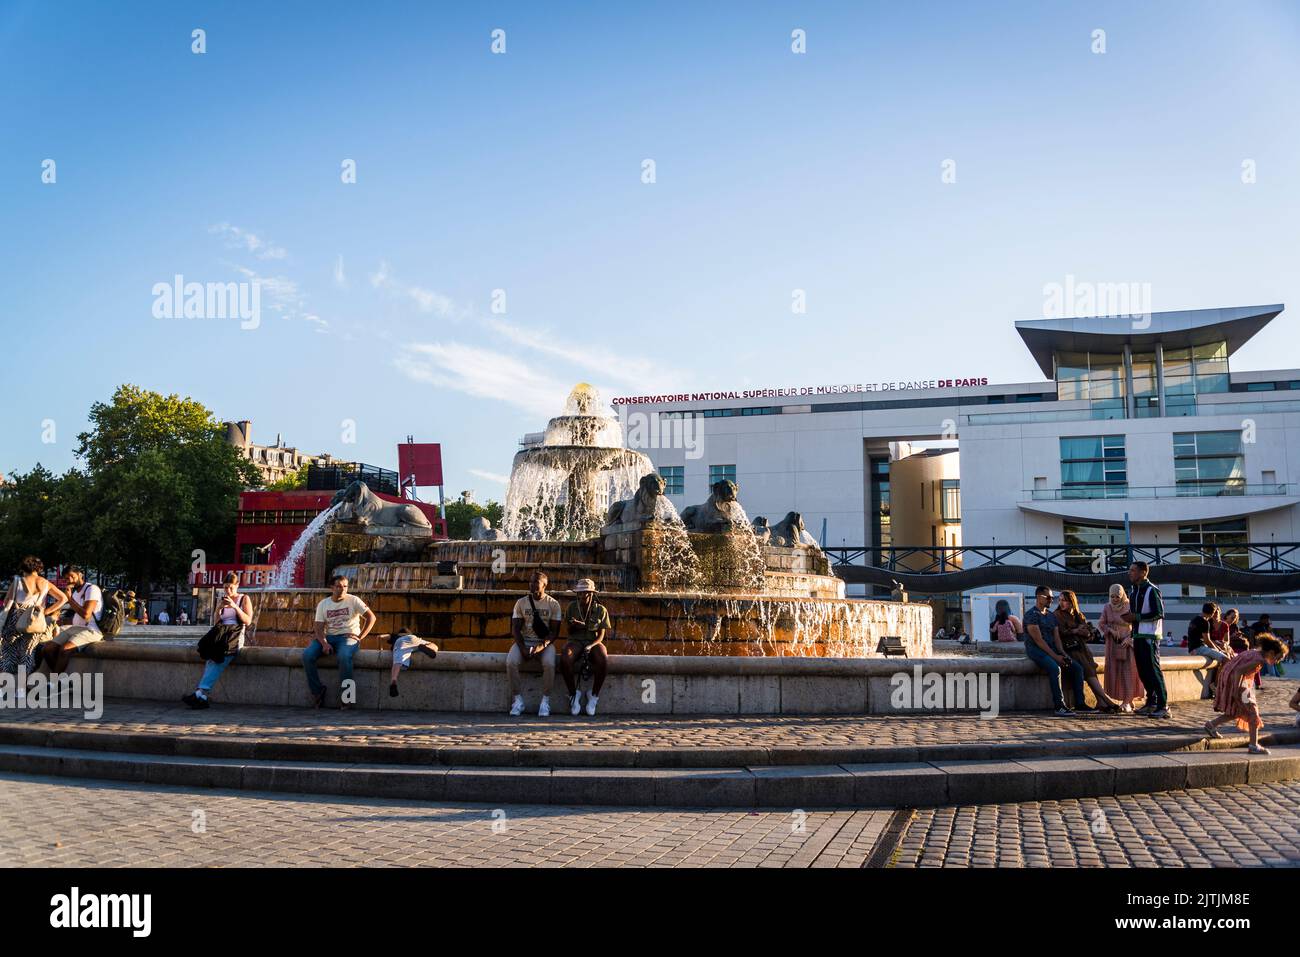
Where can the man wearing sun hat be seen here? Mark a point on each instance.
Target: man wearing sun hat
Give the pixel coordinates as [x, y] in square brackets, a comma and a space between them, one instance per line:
[588, 623]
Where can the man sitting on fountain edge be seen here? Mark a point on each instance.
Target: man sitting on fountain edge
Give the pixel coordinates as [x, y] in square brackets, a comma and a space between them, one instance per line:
[588, 623]
[535, 625]
[342, 623]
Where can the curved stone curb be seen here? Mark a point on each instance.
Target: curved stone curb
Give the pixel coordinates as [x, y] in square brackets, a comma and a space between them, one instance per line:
[263, 749]
[903, 784]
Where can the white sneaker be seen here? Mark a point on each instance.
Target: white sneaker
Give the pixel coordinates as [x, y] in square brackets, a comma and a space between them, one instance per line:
[517, 706]
[544, 709]
[591, 704]
[575, 708]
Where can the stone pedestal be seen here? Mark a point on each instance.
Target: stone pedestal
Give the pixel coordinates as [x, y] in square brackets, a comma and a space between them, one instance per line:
[347, 543]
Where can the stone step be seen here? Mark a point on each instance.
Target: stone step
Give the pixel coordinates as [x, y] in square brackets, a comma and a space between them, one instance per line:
[230, 746]
[879, 784]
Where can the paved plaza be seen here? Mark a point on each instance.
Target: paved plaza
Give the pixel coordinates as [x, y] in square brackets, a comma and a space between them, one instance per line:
[459, 730]
[1248, 826]
[138, 826]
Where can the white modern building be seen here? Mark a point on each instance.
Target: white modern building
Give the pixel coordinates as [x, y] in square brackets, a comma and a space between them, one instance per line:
[1140, 432]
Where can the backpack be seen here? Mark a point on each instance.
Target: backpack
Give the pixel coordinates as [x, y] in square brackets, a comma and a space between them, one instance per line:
[114, 613]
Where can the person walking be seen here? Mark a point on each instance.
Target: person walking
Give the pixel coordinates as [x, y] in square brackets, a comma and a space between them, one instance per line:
[1122, 682]
[1147, 616]
[1234, 695]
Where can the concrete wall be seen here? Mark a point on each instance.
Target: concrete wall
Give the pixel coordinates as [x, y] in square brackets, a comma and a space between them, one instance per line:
[637, 684]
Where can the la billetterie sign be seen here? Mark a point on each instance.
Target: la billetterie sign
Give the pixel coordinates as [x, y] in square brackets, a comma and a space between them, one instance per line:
[807, 390]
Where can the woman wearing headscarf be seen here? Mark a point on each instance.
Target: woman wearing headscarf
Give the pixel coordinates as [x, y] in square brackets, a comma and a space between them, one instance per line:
[1122, 681]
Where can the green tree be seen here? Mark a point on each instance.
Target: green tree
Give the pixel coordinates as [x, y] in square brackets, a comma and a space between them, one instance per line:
[160, 482]
[25, 505]
[460, 513]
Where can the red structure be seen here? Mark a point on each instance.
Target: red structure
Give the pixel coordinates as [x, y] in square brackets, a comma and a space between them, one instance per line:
[419, 463]
[270, 522]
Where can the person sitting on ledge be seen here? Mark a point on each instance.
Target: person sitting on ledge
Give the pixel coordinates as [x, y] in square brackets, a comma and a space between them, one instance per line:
[87, 603]
[534, 625]
[588, 624]
[1207, 635]
[342, 623]
[232, 613]
[1043, 648]
[404, 645]
[1234, 693]
[1073, 632]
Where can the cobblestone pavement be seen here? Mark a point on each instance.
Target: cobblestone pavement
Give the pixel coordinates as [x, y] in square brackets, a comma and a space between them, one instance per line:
[1211, 827]
[438, 729]
[153, 826]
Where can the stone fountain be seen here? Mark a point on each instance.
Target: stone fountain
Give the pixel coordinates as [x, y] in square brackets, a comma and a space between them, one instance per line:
[582, 505]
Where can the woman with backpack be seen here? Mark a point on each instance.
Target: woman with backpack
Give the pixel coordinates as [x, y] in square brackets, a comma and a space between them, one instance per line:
[27, 621]
[231, 615]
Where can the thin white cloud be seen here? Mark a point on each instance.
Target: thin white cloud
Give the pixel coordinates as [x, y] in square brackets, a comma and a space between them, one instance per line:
[490, 476]
[282, 295]
[340, 278]
[243, 239]
[619, 367]
[482, 374]
[426, 300]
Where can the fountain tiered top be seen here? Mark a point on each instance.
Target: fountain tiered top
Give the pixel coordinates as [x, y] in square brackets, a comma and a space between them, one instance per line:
[559, 490]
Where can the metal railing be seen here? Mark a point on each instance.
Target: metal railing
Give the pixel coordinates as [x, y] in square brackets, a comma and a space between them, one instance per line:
[1099, 490]
[327, 478]
[1271, 558]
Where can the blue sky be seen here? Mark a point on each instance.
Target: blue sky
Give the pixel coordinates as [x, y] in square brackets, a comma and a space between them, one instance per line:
[522, 172]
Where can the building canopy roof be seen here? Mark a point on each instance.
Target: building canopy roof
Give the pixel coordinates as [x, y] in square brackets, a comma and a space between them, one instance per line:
[1188, 327]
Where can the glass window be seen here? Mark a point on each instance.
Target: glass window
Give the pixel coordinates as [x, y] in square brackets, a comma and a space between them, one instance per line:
[1081, 540]
[1094, 466]
[951, 504]
[721, 473]
[1209, 463]
[1203, 542]
[674, 479]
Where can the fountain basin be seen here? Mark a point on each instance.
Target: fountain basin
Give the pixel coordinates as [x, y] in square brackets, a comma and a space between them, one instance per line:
[671, 624]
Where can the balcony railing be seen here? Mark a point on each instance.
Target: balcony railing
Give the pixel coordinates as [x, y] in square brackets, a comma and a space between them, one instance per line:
[1172, 411]
[1274, 558]
[1101, 490]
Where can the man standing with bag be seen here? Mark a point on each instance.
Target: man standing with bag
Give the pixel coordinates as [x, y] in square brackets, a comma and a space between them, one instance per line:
[1147, 616]
[535, 626]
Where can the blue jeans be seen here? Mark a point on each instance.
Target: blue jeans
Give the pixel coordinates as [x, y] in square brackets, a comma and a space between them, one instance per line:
[212, 671]
[1146, 652]
[1053, 669]
[345, 646]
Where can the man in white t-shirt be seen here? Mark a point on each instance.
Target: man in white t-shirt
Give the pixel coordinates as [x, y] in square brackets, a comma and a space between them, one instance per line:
[342, 623]
[535, 626]
[87, 604]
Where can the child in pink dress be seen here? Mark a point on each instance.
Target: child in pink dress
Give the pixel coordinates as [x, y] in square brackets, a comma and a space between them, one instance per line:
[1234, 695]
[1122, 681]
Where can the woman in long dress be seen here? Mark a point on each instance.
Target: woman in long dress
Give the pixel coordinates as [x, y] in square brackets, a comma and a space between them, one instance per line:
[28, 590]
[1234, 695]
[1122, 681]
